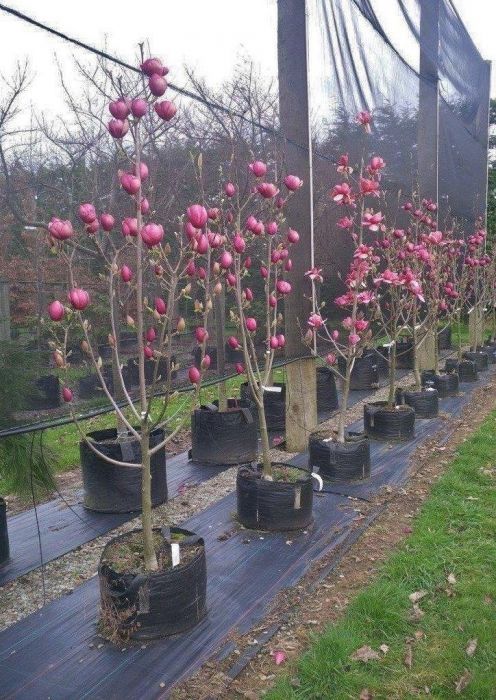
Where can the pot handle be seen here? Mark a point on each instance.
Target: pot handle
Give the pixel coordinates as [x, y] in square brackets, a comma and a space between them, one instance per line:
[318, 479]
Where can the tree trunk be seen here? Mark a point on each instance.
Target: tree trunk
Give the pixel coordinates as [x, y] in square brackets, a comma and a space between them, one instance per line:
[146, 495]
[392, 375]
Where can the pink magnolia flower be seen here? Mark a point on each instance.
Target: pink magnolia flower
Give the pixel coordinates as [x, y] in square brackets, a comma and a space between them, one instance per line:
[353, 339]
[315, 321]
[118, 128]
[194, 375]
[271, 228]
[331, 359]
[281, 340]
[197, 215]
[347, 323]
[388, 277]
[139, 107]
[87, 213]
[157, 85]
[361, 325]
[67, 394]
[376, 164]
[165, 109]
[363, 252]
[126, 273]
[369, 187]
[233, 342]
[283, 287]
[267, 190]
[120, 109]
[229, 189]
[56, 311]
[130, 183]
[293, 236]
[315, 274]
[342, 194]
[364, 119]
[107, 222]
[365, 297]
[372, 221]
[435, 237]
[345, 222]
[415, 287]
[129, 226]
[343, 165]
[152, 234]
[258, 168]
[79, 298]
[61, 230]
[251, 324]
[160, 306]
[293, 182]
[153, 66]
[344, 299]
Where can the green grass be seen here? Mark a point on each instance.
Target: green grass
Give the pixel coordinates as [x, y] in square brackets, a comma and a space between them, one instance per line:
[455, 533]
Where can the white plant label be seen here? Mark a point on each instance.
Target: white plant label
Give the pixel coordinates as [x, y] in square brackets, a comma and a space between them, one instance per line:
[318, 479]
[176, 553]
[274, 389]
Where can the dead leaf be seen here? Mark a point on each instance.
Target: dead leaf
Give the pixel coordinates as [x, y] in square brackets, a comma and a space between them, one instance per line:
[463, 681]
[451, 579]
[365, 694]
[384, 648]
[416, 613]
[471, 647]
[365, 654]
[416, 596]
[408, 658]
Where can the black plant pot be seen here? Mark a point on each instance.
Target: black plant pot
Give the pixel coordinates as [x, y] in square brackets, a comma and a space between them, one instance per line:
[404, 354]
[466, 369]
[131, 371]
[155, 604]
[383, 423]
[89, 386]
[490, 351]
[380, 359]
[48, 393]
[109, 488]
[273, 505]
[105, 351]
[480, 358]
[425, 403]
[274, 404]
[364, 374]
[224, 437]
[444, 338]
[327, 393]
[445, 384]
[340, 461]
[4, 535]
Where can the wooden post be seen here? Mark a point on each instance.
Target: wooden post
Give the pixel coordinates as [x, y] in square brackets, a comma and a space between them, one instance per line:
[428, 115]
[476, 326]
[301, 402]
[4, 311]
[426, 353]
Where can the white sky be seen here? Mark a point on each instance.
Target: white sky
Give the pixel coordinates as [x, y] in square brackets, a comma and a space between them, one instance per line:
[209, 35]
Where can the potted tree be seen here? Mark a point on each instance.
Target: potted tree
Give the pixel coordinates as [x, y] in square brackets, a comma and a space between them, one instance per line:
[398, 291]
[270, 496]
[223, 432]
[152, 580]
[344, 455]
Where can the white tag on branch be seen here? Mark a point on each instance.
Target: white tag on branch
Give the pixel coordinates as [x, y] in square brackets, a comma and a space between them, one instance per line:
[175, 553]
[273, 389]
[99, 362]
[319, 480]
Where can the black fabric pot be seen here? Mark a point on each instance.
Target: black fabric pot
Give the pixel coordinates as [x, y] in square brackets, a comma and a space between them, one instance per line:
[382, 423]
[425, 403]
[444, 338]
[480, 358]
[156, 604]
[47, 394]
[378, 358]
[4, 535]
[445, 384]
[89, 386]
[105, 351]
[273, 505]
[327, 393]
[109, 488]
[466, 369]
[131, 371]
[274, 404]
[490, 351]
[364, 374]
[340, 461]
[404, 354]
[227, 437]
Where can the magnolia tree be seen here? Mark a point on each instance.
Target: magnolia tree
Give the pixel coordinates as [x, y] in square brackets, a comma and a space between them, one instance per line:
[354, 335]
[143, 250]
[255, 235]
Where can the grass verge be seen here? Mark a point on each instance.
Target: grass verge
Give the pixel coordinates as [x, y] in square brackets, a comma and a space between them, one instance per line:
[450, 561]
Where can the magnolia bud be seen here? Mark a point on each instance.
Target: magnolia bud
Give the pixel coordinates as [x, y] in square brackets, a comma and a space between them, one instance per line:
[181, 325]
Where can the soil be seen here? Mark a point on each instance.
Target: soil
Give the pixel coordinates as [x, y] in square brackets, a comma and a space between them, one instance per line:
[127, 556]
[323, 595]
